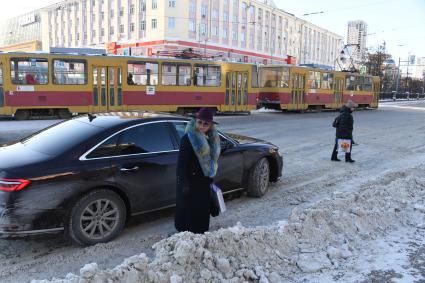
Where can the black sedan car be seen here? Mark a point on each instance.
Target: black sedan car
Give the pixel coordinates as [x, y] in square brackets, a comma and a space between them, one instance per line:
[87, 175]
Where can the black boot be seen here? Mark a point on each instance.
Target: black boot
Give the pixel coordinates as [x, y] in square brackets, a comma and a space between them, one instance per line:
[334, 156]
[348, 158]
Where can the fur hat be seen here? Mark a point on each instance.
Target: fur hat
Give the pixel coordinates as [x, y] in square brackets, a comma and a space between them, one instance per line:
[351, 104]
[205, 114]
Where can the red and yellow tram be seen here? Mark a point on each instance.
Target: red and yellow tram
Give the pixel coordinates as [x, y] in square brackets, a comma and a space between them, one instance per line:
[299, 88]
[57, 84]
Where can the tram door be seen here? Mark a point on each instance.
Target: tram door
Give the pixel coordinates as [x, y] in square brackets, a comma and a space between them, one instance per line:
[298, 91]
[236, 96]
[338, 90]
[107, 88]
[1, 86]
[375, 90]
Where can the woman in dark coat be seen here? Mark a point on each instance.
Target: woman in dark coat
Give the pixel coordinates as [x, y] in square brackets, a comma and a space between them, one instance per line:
[344, 129]
[196, 166]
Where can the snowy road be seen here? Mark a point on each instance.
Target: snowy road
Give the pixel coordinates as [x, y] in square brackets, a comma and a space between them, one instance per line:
[391, 147]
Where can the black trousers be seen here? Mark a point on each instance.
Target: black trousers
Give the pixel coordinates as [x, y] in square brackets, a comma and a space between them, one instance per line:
[335, 151]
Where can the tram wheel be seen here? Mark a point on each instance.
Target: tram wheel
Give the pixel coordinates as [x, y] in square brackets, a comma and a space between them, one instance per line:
[64, 114]
[22, 114]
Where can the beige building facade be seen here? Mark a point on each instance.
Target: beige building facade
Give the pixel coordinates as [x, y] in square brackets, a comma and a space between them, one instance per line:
[237, 30]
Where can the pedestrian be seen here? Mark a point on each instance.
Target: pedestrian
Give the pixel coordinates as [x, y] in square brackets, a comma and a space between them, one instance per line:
[344, 129]
[130, 79]
[196, 167]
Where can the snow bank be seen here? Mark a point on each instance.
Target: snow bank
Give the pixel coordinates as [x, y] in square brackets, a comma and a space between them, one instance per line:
[322, 237]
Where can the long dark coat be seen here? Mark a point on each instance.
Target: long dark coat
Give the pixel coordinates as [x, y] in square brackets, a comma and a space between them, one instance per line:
[193, 199]
[344, 130]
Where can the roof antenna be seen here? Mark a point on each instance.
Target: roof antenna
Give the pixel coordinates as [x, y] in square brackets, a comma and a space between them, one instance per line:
[91, 116]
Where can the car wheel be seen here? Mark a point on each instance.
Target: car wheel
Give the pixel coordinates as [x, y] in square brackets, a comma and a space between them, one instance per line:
[97, 217]
[259, 178]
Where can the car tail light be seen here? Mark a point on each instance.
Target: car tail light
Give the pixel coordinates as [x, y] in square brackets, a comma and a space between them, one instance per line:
[12, 185]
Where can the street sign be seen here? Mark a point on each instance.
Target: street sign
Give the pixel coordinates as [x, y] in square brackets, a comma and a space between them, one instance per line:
[363, 70]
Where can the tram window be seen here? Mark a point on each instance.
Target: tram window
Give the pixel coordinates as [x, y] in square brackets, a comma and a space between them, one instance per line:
[267, 77]
[274, 77]
[30, 71]
[184, 75]
[327, 81]
[314, 79]
[176, 74]
[144, 73]
[350, 83]
[367, 86]
[69, 72]
[1, 75]
[207, 75]
[254, 76]
[359, 83]
[169, 74]
[283, 77]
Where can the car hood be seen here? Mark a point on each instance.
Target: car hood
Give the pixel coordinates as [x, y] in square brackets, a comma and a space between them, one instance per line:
[17, 155]
[247, 140]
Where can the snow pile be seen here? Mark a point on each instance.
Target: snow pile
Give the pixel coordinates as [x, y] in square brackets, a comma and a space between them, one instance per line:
[322, 237]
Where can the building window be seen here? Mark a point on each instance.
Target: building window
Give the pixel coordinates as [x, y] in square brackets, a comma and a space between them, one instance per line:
[132, 9]
[142, 25]
[102, 32]
[121, 28]
[77, 36]
[93, 32]
[69, 72]
[204, 11]
[112, 14]
[153, 23]
[235, 35]
[171, 22]
[203, 29]
[224, 32]
[172, 3]
[214, 31]
[192, 8]
[142, 6]
[225, 16]
[192, 25]
[102, 15]
[154, 4]
[111, 30]
[215, 14]
[243, 37]
[131, 27]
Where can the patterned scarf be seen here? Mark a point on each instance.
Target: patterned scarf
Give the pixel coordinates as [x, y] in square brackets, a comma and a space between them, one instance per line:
[206, 147]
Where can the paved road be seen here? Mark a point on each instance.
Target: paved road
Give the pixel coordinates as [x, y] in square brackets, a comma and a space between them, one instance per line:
[394, 132]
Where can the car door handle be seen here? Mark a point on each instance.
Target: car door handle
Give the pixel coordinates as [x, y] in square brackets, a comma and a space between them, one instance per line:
[135, 168]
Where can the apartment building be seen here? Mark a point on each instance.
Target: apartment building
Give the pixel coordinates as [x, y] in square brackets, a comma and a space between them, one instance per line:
[356, 37]
[238, 30]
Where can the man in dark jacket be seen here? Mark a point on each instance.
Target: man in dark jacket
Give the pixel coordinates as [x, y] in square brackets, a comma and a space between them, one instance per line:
[344, 129]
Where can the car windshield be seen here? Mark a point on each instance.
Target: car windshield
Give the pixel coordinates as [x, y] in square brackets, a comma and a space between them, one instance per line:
[61, 137]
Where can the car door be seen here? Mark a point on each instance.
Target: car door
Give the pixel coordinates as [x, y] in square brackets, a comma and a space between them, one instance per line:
[230, 164]
[146, 165]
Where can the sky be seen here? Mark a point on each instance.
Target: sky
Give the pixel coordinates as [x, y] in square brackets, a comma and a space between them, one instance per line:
[398, 23]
